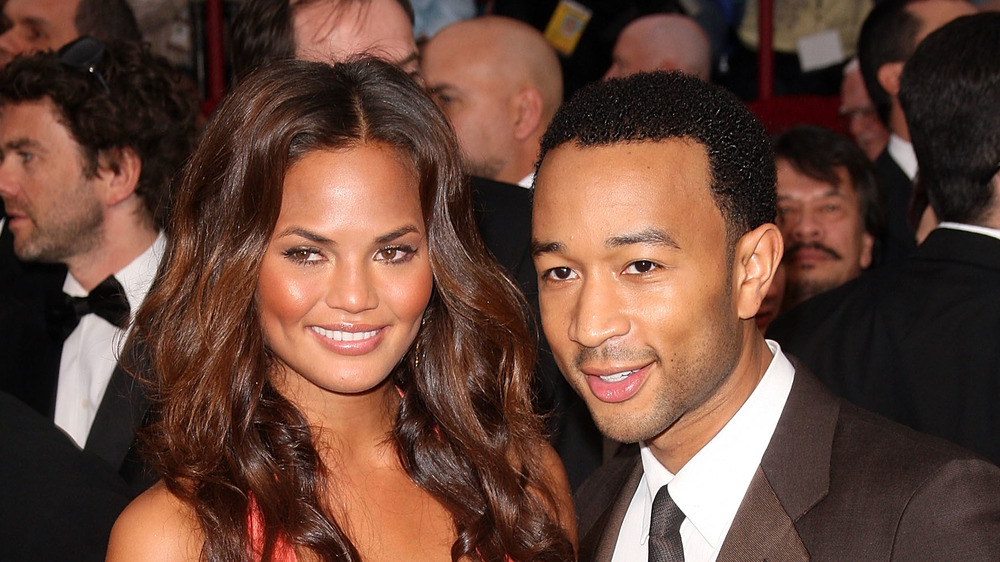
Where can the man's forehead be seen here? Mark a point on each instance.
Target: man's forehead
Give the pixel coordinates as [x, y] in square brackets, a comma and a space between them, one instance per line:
[332, 29]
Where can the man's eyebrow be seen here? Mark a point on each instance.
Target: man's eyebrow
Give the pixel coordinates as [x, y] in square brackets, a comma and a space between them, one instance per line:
[538, 248]
[648, 237]
[23, 142]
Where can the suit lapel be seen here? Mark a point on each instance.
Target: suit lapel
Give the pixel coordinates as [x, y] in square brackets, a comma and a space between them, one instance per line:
[599, 543]
[119, 415]
[762, 529]
[794, 475]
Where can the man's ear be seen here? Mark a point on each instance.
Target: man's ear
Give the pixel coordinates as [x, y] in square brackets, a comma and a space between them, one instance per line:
[888, 77]
[528, 106]
[755, 262]
[119, 171]
[867, 250]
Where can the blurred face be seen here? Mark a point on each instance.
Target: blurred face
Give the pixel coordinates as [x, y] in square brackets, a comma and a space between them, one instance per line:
[635, 284]
[477, 99]
[53, 209]
[858, 114]
[37, 25]
[326, 32]
[346, 278]
[633, 53]
[825, 240]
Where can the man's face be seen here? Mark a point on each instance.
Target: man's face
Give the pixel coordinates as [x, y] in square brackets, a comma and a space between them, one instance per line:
[825, 239]
[326, 32]
[52, 208]
[37, 25]
[473, 92]
[635, 284]
[857, 112]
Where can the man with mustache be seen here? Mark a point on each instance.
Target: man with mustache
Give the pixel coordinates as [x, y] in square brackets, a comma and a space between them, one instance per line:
[828, 210]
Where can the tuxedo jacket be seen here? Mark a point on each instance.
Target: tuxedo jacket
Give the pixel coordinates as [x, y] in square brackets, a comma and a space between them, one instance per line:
[835, 483]
[917, 341]
[897, 240]
[29, 369]
[503, 214]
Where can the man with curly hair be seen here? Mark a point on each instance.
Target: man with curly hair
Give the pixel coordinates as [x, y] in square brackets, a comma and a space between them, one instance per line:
[88, 152]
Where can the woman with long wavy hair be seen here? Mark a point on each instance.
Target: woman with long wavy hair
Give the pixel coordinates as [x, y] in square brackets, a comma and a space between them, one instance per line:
[339, 369]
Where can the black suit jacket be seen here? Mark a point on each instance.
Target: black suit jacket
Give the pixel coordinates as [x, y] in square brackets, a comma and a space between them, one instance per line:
[56, 501]
[918, 341]
[30, 354]
[503, 214]
[835, 483]
[897, 240]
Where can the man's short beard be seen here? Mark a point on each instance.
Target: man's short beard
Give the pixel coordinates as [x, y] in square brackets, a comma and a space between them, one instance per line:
[59, 242]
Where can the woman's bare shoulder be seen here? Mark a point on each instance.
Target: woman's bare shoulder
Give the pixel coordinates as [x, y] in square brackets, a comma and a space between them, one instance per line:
[156, 527]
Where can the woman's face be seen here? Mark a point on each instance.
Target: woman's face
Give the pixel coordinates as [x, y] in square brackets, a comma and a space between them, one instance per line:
[346, 277]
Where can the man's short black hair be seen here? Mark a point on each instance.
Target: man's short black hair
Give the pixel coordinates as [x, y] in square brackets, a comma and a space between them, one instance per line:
[263, 30]
[670, 105]
[146, 110]
[817, 152]
[950, 93]
[888, 34]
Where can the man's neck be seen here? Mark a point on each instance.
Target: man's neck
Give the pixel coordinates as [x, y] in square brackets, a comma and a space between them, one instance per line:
[681, 441]
[118, 248]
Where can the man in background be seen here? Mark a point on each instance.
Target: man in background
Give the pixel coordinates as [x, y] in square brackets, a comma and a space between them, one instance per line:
[828, 210]
[916, 339]
[85, 175]
[890, 34]
[499, 83]
[662, 42]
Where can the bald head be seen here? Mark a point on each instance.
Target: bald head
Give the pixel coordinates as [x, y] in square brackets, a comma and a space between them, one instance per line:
[662, 42]
[500, 83]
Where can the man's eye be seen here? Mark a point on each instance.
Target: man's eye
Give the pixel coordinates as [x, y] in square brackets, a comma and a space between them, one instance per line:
[640, 267]
[560, 273]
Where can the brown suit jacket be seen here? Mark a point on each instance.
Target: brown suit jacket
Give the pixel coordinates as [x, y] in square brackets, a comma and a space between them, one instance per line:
[835, 483]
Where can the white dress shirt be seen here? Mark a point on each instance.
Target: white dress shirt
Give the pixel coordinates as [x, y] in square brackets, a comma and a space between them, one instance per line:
[527, 181]
[90, 353]
[902, 152]
[710, 487]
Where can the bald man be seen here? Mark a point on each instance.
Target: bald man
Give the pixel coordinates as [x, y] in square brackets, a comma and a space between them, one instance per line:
[662, 42]
[500, 83]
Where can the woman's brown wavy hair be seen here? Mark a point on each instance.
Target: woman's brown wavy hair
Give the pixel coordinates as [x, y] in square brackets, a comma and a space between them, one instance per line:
[221, 433]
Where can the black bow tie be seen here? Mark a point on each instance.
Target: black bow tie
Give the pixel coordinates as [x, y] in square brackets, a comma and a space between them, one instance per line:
[107, 300]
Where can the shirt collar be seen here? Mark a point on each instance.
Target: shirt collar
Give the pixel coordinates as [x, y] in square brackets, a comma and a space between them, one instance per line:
[527, 181]
[984, 230]
[902, 152]
[136, 278]
[710, 487]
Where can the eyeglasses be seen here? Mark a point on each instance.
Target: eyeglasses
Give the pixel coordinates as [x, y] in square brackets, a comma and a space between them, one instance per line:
[84, 54]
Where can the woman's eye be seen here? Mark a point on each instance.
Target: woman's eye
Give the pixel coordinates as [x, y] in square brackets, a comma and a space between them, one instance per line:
[303, 254]
[395, 254]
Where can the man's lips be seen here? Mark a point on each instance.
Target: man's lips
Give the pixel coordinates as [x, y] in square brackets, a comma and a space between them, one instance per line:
[616, 383]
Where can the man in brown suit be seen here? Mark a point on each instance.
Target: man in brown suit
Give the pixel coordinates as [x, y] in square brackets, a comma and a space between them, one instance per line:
[655, 243]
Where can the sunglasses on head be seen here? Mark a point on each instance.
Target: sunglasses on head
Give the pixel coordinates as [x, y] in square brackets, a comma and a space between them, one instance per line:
[84, 53]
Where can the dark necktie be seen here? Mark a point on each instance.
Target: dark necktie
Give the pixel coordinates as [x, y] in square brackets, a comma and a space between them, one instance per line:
[107, 300]
[665, 529]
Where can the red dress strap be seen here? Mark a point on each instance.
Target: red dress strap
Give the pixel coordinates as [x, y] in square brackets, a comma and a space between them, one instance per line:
[283, 552]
